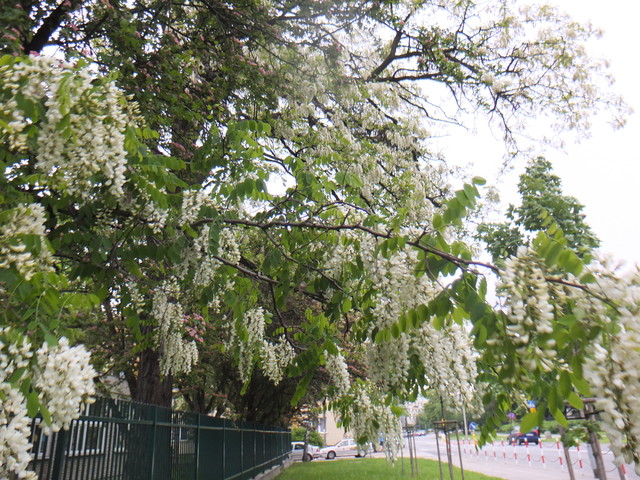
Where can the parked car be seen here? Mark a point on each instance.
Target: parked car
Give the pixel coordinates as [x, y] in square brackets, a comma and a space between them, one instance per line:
[522, 438]
[343, 448]
[297, 450]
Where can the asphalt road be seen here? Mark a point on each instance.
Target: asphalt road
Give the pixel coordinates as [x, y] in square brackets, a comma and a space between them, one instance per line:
[519, 462]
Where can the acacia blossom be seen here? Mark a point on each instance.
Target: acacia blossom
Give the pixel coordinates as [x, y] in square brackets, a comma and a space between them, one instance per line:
[337, 368]
[275, 357]
[529, 315]
[63, 378]
[25, 220]
[447, 355]
[369, 418]
[176, 354]
[449, 361]
[613, 367]
[80, 146]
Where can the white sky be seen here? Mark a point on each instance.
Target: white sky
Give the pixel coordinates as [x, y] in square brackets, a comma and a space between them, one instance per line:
[602, 171]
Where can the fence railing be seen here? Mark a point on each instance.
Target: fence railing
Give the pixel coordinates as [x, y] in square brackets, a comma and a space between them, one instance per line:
[115, 439]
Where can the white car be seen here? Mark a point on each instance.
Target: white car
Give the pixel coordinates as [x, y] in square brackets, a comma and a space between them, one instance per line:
[297, 450]
[343, 448]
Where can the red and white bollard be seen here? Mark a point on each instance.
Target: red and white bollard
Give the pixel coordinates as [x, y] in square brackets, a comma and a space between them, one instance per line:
[579, 457]
[559, 455]
[504, 452]
[544, 465]
[526, 445]
[623, 470]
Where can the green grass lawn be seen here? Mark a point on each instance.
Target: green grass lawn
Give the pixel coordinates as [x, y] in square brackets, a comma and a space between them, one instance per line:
[370, 469]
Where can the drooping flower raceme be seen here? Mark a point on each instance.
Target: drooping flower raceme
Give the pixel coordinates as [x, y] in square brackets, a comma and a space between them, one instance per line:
[21, 223]
[15, 424]
[447, 355]
[372, 419]
[449, 361]
[63, 379]
[81, 143]
[275, 357]
[337, 368]
[613, 367]
[529, 313]
[176, 354]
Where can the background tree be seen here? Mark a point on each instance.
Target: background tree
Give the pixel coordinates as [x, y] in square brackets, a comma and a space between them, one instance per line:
[542, 198]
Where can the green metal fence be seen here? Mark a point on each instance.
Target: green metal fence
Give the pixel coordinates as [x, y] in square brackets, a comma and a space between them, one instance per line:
[123, 440]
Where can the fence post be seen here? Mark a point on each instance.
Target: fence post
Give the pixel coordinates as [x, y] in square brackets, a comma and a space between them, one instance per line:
[59, 457]
[197, 448]
[242, 450]
[154, 438]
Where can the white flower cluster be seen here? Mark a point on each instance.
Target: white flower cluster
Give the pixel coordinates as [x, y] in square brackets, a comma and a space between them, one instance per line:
[529, 311]
[388, 362]
[254, 324]
[353, 133]
[82, 132]
[613, 369]
[449, 361]
[137, 298]
[155, 216]
[64, 379]
[275, 358]
[192, 202]
[337, 368]
[447, 355]
[24, 220]
[15, 424]
[374, 420]
[176, 354]
[198, 260]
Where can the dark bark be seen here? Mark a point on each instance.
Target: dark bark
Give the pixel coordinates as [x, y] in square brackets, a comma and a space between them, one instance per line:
[50, 24]
[151, 387]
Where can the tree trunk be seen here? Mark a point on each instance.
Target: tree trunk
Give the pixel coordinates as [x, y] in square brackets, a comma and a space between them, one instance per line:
[151, 388]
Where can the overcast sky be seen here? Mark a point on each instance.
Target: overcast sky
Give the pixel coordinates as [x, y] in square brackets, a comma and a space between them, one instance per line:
[603, 171]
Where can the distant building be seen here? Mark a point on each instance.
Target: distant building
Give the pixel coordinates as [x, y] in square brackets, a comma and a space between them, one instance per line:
[329, 429]
[414, 409]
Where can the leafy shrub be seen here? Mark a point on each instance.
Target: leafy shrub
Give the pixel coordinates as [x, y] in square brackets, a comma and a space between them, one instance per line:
[297, 435]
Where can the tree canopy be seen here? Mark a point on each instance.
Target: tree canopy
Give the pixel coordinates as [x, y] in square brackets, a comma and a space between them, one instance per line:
[542, 197]
[247, 191]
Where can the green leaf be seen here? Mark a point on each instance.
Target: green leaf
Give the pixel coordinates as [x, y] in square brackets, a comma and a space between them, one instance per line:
[478, 181]
[564, 386]
[587, 278]
[413, 317]
[423, 313]
[17, 375]
[581, 385]
[575, 400]
[552, 254]
[33, 404]
[395, 330]
[346, 305]
[438, 222]
[560, 418]
[530, 421]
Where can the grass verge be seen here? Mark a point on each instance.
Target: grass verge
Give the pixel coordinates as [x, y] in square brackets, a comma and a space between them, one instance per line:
[370, 469]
